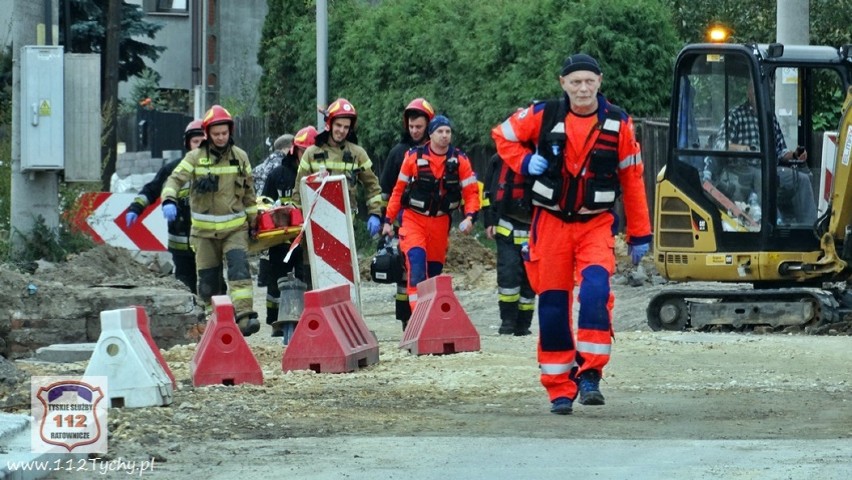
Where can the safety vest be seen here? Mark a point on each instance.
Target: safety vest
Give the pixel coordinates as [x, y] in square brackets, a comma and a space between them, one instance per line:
[511, 192]
[430, 196]
[595, 189]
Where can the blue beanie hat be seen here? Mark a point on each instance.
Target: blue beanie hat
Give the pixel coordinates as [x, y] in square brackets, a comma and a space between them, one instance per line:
[580, 61]
[439, 121]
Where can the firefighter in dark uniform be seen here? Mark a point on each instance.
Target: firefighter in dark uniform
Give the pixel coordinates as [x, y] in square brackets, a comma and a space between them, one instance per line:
[507, 220]
[279, 187]
[415, 120]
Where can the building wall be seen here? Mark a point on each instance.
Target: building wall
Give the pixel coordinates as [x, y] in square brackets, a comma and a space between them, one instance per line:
[175, 63]
[237, 27]
[6, 22]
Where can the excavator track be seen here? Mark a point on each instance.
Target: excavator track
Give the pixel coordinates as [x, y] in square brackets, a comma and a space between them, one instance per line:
[692, 309]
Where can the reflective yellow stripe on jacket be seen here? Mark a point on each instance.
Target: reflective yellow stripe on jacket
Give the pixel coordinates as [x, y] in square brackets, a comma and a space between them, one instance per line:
[218, 222]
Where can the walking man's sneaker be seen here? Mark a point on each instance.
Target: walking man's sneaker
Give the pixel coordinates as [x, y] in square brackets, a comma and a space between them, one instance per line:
[562, 406]
[590, 393]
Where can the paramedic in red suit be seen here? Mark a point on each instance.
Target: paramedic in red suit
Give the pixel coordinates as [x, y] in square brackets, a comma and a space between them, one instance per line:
[433, 181]
[585, 156]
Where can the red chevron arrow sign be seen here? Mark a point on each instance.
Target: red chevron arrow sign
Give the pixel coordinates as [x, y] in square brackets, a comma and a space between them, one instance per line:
[101, 216]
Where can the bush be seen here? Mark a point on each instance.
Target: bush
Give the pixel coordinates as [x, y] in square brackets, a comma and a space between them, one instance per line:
[46, 243]
[475, 61]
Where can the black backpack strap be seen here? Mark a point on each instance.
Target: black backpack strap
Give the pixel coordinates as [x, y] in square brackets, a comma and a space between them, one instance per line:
[551, 144]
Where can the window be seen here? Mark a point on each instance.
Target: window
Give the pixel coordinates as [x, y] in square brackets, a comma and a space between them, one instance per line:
[175, 6]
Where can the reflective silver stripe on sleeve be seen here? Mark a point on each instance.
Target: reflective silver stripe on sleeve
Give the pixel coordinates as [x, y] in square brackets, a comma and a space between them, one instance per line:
[629, 161]
[468, 181]
[508, 131]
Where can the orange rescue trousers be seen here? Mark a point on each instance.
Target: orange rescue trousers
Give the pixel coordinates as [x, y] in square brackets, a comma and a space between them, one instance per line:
[560, 250]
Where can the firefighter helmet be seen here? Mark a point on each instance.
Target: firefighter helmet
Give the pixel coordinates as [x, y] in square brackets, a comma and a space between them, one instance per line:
[217, 115]
[340, 108]
[194, 128]
[418, 105]
[304, 138]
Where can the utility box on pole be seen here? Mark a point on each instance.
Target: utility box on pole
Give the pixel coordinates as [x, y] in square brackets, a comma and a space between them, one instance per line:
[42, 104]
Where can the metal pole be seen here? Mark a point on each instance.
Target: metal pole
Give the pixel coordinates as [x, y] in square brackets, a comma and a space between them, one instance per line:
[322, 59]
[34, 194]
[48, 22]
[792, 20]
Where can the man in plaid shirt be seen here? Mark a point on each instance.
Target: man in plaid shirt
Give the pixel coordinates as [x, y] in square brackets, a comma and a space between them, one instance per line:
[740, 132]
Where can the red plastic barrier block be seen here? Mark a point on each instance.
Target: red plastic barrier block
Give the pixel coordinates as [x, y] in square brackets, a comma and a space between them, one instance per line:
[331, 336]
[439, 325]
[223, 357]
[144, 327]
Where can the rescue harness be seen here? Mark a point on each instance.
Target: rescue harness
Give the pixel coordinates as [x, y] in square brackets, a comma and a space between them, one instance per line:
[431, 196]
[596, 187]
[346, 168]
[511, 192]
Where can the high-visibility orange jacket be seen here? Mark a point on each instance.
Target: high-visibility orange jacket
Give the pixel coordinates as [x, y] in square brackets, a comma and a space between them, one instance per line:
[523, 129]
[408, 174]
[426, 212]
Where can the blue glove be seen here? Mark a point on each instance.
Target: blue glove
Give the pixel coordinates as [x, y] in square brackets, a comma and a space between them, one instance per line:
[525, 251]
[373, 225]
[130, 219]
[170, 211]
[636, 252]
[537, 164]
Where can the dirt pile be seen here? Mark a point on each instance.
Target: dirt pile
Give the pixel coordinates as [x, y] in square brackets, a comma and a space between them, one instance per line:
[105, 265]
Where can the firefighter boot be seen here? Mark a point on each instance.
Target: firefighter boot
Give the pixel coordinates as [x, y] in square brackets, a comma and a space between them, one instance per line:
[277, 328]
[402, 306]
[588, 383]
[508, 317]
[522, 326]
[403, 311]
[248, 323]
[561, 406]
[263, 268]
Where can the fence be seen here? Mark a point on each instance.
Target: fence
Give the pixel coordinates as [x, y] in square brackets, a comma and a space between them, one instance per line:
[164, 130]
[653, 136]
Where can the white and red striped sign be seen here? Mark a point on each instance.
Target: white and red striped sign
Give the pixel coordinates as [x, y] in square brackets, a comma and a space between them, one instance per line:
[101, 216]
[331, 240]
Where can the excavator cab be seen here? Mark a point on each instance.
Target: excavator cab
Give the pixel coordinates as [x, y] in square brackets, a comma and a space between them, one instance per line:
[751, 192]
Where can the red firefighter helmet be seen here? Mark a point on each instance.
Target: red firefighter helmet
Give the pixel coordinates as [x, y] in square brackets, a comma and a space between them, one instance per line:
[420, 105]
[340, 108]
[194, 128]
[217, 115]
[304, 138]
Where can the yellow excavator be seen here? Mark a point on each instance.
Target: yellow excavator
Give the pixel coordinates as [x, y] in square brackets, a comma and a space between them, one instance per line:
[755, 195]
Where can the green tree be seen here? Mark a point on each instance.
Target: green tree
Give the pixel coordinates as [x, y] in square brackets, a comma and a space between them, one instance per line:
[287, 55]
[88, 34]
[476, 61]
[635, 43]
